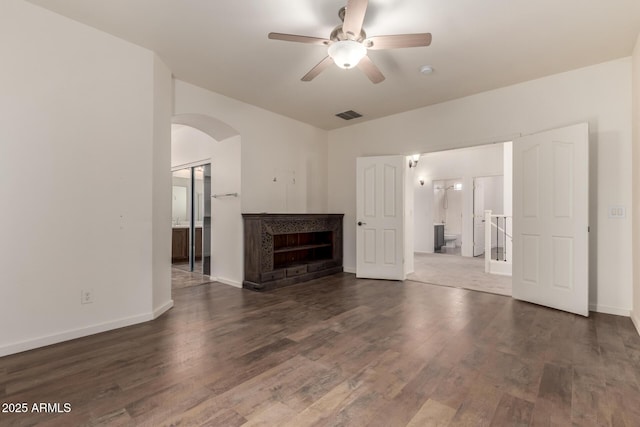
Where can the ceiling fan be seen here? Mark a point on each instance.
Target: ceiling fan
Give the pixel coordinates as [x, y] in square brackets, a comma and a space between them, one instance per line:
[348, 43]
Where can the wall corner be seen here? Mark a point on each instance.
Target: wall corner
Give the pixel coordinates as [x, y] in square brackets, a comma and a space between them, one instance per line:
[161, 184]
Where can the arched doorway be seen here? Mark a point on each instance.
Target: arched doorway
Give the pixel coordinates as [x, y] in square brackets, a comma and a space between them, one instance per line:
[207, 151]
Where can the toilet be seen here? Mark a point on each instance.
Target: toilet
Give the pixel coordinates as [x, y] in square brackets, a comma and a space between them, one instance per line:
[450, 240]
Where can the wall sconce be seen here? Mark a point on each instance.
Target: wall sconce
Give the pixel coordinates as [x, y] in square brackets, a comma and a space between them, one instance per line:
[413, 161]
[421, 181]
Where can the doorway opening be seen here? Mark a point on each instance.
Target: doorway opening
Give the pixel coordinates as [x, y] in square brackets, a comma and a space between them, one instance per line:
[447, 216]
[207, 152]
[550, 210]
[191, 219]
[456, 197]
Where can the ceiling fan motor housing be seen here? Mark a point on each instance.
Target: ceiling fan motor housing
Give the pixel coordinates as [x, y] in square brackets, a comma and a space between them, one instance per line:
[338, 34]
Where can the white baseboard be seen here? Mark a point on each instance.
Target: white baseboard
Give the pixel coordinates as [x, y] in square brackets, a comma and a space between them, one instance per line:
[500, 268]
[229, 282]
[609, 310]
[351, 270]
[635, 318]
[159, 311]
[499, 273]
[76, 333]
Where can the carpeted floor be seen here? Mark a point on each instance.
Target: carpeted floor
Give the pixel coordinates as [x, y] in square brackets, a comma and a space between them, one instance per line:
[458, 272]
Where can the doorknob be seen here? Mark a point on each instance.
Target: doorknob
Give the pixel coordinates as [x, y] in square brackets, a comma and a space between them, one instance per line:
[360, 223]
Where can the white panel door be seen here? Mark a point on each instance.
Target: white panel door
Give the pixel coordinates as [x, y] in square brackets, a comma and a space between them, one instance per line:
[550, 219]
[380, 217]
[478, 217]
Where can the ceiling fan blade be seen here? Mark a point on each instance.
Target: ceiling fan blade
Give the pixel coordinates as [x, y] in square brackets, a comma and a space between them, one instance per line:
[299, 39]
[317, 69]
[370, 69]
[398, 41]
[354, 17]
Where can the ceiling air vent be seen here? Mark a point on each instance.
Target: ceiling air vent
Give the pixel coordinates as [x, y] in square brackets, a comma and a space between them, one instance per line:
[348, 115]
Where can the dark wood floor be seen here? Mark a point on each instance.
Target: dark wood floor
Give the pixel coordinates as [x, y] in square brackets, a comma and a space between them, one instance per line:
[339, 352]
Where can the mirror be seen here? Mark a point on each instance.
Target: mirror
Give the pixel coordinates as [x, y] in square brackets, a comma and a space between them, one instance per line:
[191, 243]
[179, 204]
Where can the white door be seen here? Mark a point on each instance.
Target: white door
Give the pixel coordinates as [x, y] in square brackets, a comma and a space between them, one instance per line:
[380, 217]
[550, 218]
[478, 217]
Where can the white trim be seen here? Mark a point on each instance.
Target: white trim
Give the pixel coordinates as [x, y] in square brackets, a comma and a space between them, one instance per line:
[159, 311]
[501, 273]
[610, 310]
[474, 144]
[229, 282]
[499, 268]
[422, 253]
[191, 164]
[351, 270]
[73, 334]
[636, 321]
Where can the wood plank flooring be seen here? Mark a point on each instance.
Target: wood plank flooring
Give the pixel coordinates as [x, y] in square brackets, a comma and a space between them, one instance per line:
[339, 351]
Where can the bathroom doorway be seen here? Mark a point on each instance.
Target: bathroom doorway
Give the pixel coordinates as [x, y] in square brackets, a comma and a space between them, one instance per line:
[191, 219]
[448, 216]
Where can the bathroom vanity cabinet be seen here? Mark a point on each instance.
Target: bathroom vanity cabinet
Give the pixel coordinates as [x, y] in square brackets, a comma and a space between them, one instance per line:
[180, 244]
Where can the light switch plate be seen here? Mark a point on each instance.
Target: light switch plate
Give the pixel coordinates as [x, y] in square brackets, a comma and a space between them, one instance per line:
[617, 212]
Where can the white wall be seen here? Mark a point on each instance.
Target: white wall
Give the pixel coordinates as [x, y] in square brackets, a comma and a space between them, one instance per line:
[439, 214]
[76, 102]
[493, 188]
[409, 221]
[600, 94]
[226, 222]
[636, 185]
[161, 203]
[190, 146]
[507, 180]
[452, 166]
[453, 213]
[493, 193]
[508, 193]
[273, 146]
[447, 207]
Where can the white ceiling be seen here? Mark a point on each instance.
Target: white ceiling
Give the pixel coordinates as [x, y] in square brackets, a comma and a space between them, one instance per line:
[477, 46]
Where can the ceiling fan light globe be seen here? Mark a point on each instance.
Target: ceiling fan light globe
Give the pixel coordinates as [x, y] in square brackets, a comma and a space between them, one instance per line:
[347, 53]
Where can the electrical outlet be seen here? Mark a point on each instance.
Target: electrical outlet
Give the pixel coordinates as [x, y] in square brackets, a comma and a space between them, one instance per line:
[86, 296]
